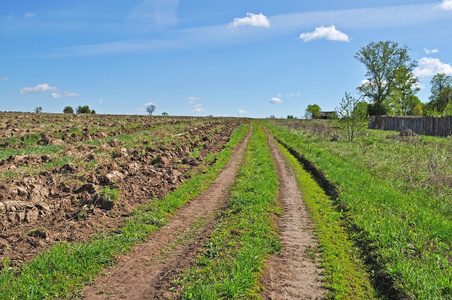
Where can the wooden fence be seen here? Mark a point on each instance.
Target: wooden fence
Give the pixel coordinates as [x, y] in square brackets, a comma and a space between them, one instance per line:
[421, 125]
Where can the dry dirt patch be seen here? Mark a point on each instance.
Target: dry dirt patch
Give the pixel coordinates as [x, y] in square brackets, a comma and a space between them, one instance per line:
[292, 274]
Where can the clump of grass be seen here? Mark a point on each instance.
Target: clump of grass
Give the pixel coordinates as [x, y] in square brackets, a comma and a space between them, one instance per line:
[107, 197]
[230, 266]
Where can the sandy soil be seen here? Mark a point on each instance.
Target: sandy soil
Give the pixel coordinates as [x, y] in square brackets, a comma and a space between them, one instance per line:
[147, 271]
[292, 274]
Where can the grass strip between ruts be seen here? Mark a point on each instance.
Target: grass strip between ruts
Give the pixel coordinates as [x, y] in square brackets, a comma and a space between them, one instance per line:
[343, 271]
[230, 267]
[61, 271]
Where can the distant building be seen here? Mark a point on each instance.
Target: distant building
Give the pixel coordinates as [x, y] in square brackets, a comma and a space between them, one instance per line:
[327, 115]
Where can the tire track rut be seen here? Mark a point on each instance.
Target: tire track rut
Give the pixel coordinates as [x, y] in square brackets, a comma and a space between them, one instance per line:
[291, 273]
[147, 271]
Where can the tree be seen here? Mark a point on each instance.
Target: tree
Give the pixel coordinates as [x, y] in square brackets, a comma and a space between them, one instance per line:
[312, 111]
[385, 61]
[164, 114]
[416, 110]
[441, 92]
[68, 110]
[352, 116]
[38, 110]
[83, 110]
[150, 108]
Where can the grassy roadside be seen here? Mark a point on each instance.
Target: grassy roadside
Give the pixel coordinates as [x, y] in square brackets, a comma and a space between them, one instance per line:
[343, 271]
[401, 220]
[231, 264]
[62, 271]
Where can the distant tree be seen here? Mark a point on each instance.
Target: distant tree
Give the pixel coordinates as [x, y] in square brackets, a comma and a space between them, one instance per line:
[289, 117]
[403, 97]
[352, 116]
[38, 110]
[83, 110]
[150, 108]
[164, 114]
[416, 110]
[68, 110]
[93, 112]
[448, 110]
[312, 111]
[385, 61]
[441, 92]
[272, 117]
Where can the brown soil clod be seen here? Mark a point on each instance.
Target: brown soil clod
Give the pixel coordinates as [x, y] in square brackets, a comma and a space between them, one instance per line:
[292, 274]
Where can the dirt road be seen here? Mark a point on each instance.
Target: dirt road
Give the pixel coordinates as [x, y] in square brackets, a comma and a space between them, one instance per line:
[147, 272]
[292, 274]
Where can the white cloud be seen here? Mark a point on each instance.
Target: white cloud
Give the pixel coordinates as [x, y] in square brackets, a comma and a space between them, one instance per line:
[29, 15]
[251, 20]
[4, 78]
[329, 33]
[63, 95]
[198, 108]
[147, 104]
[192, 98]
[429, 66]
[430, 51]
[275, 100]
[293, 95]
[446, 4]
[37, 89]
[100, 101]
[242, 112]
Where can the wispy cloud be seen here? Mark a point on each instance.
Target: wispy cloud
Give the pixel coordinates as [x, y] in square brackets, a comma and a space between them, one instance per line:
[329, 33]
[100, 101]
[251, 20]
[430, 51]
[293, 95]
[37, 89]
[198, 108]
[275, 100]
[64, 95]
[429, 67]
[286, 24]
[4, 78]
[155, 13]
[29, 15]
[242, 112]
[446, 4]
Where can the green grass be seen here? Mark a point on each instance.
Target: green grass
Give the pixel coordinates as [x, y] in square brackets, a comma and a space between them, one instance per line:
[230, 266]
[344, 274]
[397, 200]
[61, 271]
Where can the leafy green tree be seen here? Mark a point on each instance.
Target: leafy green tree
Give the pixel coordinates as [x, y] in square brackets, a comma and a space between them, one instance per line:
[416, 110]
[83, 110]
[38, 110]
[441, 93]
[313, 111]
[164, 114]
[385, 62]
[352, 116]
[68, 110]
[448, 110]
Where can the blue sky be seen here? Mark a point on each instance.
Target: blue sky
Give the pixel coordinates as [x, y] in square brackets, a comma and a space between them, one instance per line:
[222, 58]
